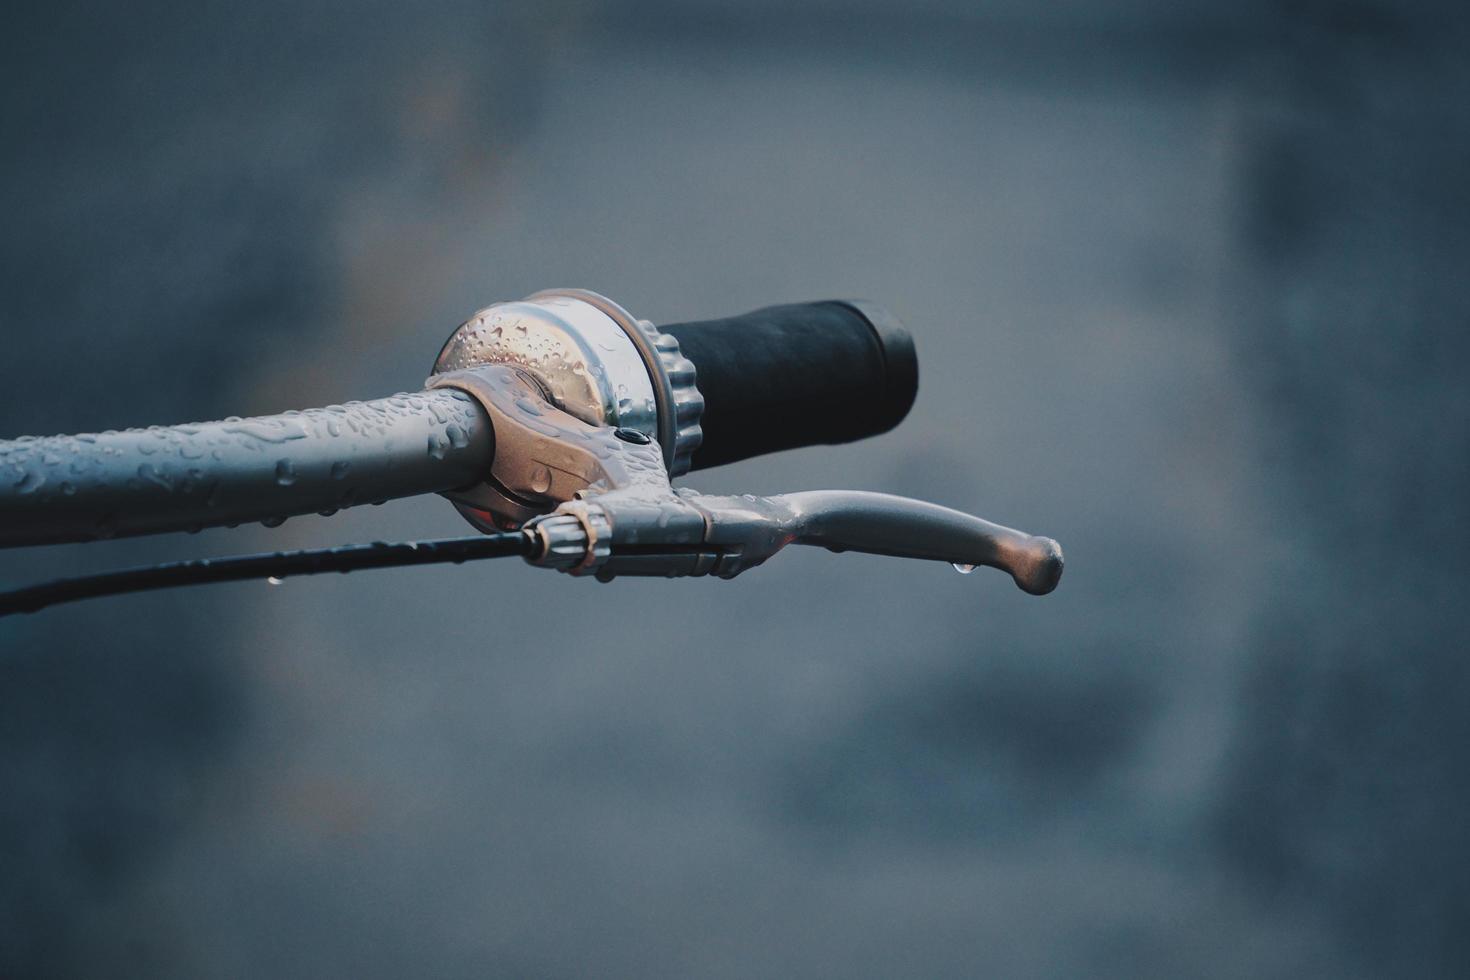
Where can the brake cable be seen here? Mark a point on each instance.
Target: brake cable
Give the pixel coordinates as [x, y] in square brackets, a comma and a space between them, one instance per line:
[554, 424]
[272, 567]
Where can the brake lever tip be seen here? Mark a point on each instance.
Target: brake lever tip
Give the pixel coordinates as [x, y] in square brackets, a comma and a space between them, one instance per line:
[1037, 565]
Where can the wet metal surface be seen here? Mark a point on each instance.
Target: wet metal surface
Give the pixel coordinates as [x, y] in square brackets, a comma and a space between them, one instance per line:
[188, 477]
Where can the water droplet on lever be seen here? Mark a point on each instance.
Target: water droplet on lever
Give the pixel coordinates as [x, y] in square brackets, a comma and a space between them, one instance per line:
[964, 569]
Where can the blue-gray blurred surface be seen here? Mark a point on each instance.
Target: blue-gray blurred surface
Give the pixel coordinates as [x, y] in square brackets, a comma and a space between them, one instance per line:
[1188, 284]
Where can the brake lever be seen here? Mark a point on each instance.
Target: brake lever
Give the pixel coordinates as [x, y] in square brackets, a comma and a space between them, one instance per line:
[880, 524]
[613, 511]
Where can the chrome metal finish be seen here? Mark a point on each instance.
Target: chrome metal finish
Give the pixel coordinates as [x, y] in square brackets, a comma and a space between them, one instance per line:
[589, 358]
[569, 542]
[583, 358]
[561, 542]
[680, 404]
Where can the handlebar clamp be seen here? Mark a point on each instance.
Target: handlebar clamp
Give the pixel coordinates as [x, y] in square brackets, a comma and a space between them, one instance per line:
[591, 359]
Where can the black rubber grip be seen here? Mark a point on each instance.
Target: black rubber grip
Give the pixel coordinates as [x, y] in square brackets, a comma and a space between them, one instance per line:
[798, 375]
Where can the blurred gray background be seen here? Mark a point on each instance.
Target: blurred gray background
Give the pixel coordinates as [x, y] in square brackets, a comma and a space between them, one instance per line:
[1188, 283]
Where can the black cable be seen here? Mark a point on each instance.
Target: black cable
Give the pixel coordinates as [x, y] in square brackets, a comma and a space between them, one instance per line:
[278, 565]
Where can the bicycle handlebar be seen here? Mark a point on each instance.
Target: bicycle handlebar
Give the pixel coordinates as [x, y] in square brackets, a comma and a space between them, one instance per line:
[777, 378]
[560, 416]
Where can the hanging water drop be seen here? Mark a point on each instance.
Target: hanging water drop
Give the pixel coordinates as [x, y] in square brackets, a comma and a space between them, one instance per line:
[964, 569]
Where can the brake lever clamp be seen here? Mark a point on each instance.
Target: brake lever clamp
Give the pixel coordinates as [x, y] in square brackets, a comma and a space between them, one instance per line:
[586, 475]
[600, 495]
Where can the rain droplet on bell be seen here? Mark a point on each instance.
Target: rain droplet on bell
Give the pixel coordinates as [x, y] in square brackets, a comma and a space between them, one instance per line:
[964, 569]
[285, 473]
[272, 580]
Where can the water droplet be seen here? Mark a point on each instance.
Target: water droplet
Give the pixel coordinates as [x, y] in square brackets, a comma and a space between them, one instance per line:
[152, 474]
[437, 445]
[540, 479]
[528, 406]
[272, 580]
[276, 521]
[285, 473]
[964, 569]
[29, 482]
[458, 438]
[340, 470]
[267, 431]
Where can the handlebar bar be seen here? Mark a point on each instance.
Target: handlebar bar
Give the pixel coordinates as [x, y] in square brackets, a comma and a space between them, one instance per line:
[184, 477]
[560, 416]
